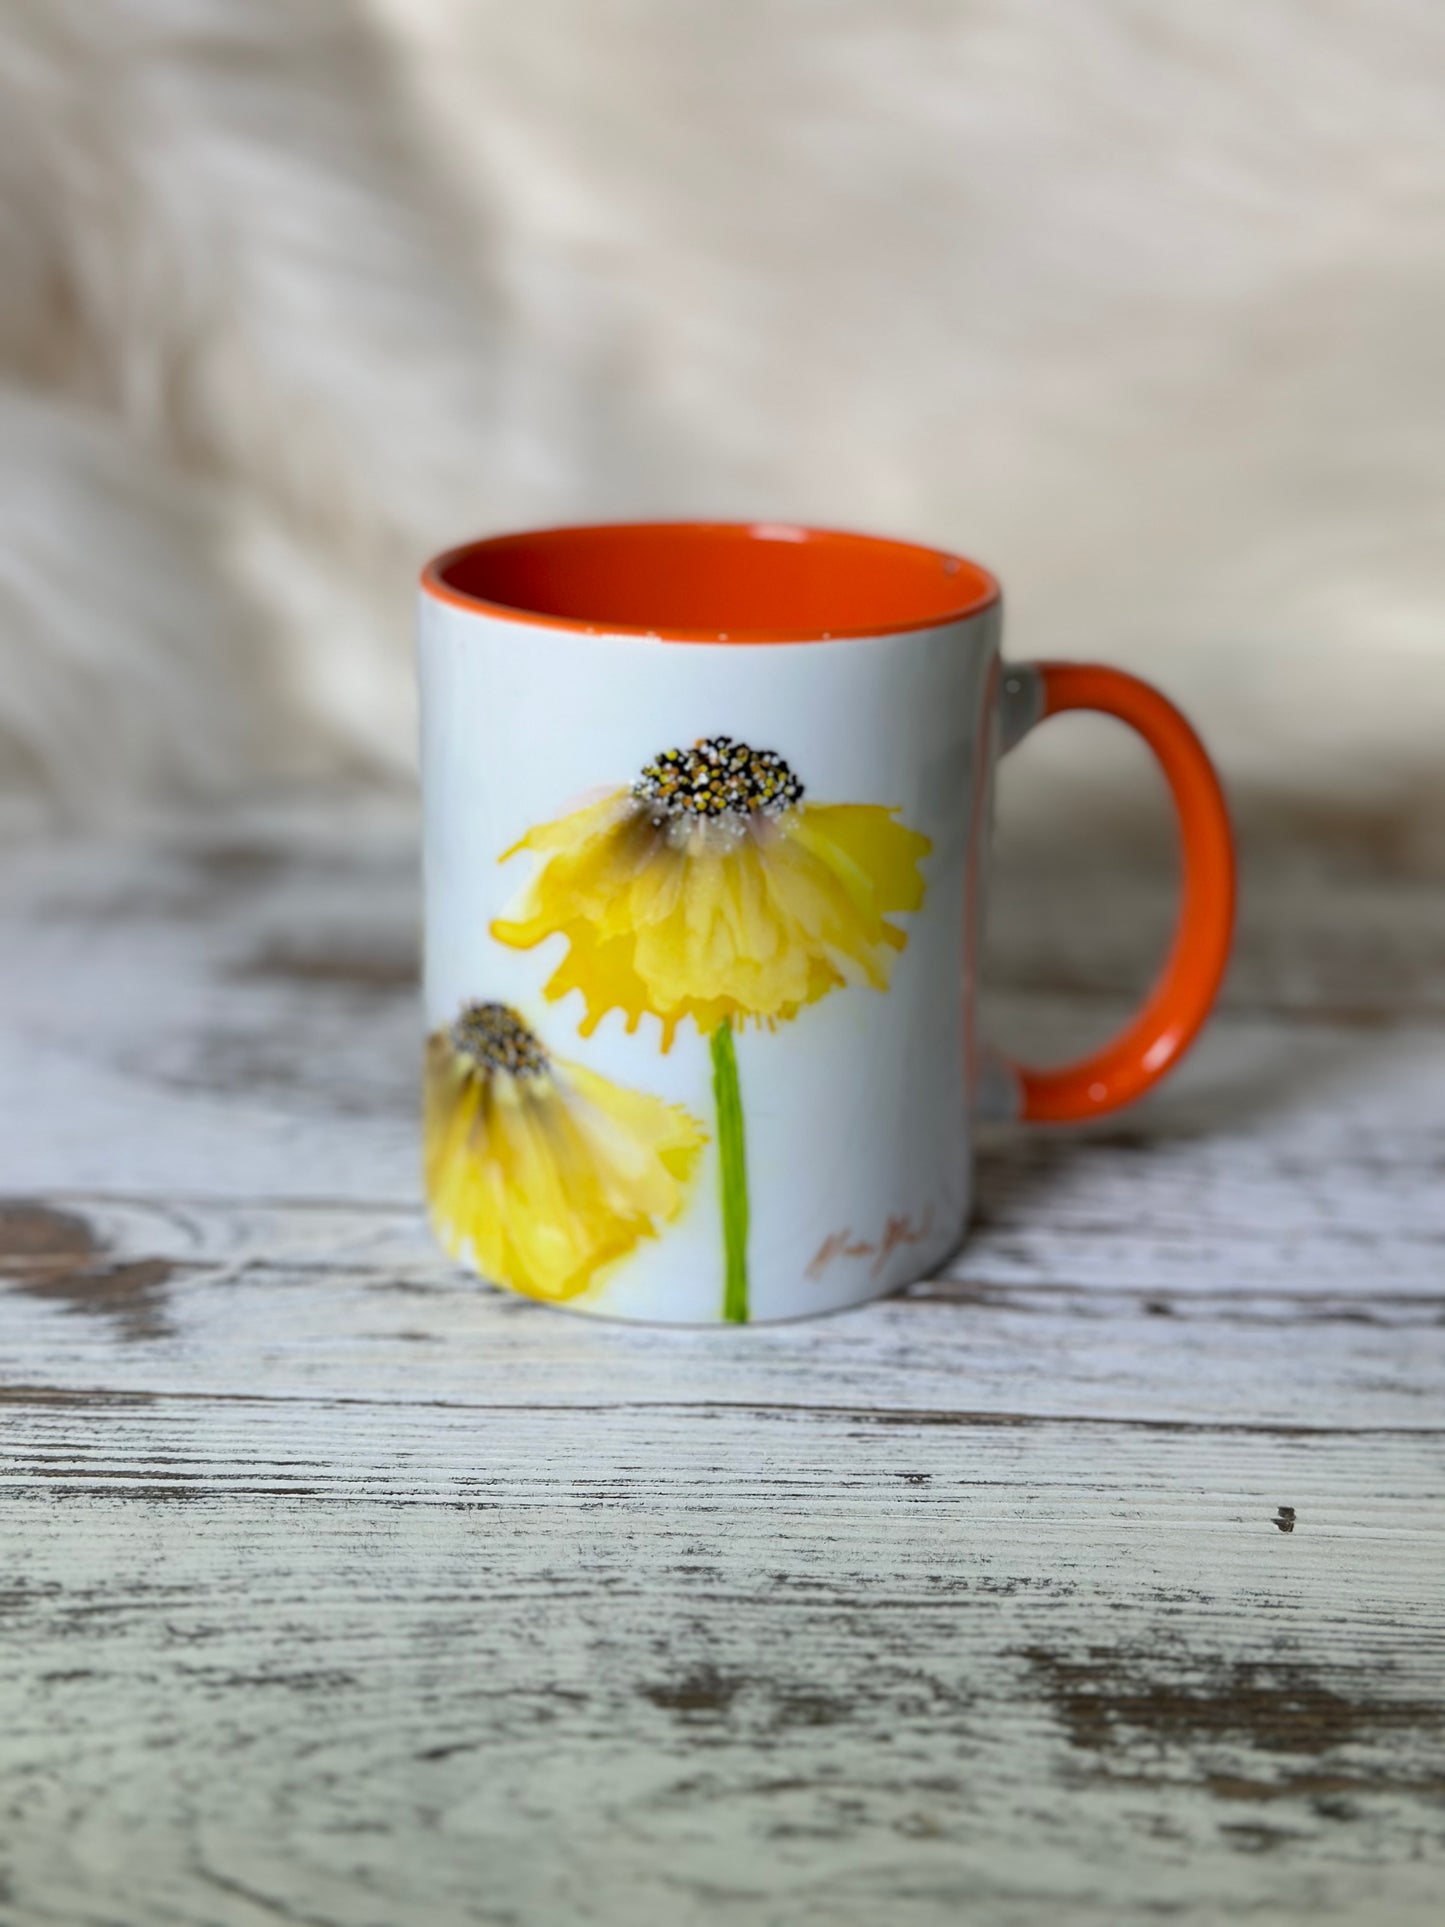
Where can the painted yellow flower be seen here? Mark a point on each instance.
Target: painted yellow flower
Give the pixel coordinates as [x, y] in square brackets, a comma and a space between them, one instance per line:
[540, 1171]
[710, 890]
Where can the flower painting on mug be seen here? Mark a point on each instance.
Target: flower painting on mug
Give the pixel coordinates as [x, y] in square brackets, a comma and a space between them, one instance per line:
[709, 889]
[538, 1170]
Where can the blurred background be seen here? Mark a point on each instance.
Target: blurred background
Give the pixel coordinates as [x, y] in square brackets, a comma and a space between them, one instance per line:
[1140, 302]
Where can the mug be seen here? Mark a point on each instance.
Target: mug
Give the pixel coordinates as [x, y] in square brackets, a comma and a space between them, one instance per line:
[706, 811]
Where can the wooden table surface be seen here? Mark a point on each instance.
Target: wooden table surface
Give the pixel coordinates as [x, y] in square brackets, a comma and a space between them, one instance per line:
[336, 1589]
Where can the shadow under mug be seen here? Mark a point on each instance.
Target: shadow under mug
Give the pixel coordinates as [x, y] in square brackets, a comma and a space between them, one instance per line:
[706, 815]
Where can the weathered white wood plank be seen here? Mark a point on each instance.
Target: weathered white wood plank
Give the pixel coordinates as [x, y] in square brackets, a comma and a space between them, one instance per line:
[1054, 1216]
[337, 1589]
[268, 1331]
[290, 1661]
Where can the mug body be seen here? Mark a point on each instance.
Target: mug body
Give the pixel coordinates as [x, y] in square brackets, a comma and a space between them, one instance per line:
[705, 822]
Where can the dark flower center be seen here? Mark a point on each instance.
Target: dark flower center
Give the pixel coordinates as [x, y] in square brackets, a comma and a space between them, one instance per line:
[717, 777]
[494, 1037]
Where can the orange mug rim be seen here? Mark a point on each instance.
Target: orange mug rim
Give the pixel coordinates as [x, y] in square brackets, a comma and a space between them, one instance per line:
[891, 586]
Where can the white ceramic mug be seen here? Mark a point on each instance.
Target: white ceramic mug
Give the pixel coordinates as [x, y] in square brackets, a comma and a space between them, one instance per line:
[706, 819]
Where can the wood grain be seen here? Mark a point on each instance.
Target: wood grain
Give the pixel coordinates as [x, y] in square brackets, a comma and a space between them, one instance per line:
[337, 1589]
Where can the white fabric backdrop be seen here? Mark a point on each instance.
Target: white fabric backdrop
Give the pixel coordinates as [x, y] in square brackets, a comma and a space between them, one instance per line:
[1140, 302]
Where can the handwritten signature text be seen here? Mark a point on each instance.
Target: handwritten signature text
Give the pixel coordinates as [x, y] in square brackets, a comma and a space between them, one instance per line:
[900, 1230]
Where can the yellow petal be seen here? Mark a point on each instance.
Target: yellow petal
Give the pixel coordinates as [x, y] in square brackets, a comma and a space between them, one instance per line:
[869, 846]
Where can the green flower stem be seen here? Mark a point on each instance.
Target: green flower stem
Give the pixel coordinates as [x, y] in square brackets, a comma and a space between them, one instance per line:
[733, 1169]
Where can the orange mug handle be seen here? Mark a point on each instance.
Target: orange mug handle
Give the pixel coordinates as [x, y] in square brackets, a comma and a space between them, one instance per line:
[1154, 1041]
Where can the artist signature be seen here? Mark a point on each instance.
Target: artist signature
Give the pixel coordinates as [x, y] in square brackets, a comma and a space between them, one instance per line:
[900, 1230]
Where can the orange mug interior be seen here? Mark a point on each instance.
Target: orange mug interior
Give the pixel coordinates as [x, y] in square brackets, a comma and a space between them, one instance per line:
[742, 582]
